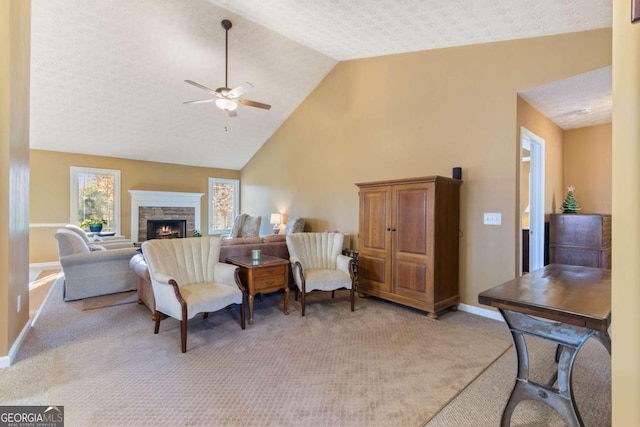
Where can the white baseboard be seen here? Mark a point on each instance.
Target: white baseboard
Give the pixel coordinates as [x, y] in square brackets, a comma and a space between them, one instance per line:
[484, 312]
[6, 361]
[45, 265]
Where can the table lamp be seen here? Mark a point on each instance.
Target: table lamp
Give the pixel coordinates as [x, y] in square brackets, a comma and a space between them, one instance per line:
[276, 219]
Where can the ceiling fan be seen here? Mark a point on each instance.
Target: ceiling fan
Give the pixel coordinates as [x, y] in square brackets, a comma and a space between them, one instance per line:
[227, 99]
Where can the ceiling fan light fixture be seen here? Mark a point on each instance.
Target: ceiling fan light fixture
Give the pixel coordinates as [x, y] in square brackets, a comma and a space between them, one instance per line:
[226, 104]
[228, 99]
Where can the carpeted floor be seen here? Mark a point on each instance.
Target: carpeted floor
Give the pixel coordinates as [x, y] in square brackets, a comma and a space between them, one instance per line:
[110, 300]
[382, 365]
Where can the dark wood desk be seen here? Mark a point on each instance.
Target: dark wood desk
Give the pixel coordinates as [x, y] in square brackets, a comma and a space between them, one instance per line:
[268, 274]
[576, 303]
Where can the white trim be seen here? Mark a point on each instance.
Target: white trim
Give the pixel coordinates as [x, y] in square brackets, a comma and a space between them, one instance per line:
[536, 146]
[45, 265]
[161, 199]
[47, 224]
[484, 312]
[6, 361]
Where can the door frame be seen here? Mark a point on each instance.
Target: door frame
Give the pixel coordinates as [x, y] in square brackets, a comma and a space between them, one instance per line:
[535, 145]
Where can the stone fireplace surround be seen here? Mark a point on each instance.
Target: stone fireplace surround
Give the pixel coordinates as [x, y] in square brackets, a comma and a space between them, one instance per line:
[163, 205]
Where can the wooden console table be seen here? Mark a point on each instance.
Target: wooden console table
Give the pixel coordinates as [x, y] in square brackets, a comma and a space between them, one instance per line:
[577, 300]
[269, 274]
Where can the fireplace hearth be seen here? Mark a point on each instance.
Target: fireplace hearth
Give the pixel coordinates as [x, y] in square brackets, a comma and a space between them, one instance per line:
[166, 228]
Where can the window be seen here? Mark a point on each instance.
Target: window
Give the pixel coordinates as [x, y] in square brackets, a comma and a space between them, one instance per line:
[223, 204]
[95, 193]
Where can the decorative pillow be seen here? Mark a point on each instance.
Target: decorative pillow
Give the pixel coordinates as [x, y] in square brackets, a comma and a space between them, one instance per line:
[237, 225]
[93, 248]
[251, 226]
[294, 225]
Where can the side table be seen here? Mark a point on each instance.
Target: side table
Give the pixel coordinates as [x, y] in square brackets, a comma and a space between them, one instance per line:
[266, 275]
[577, 301]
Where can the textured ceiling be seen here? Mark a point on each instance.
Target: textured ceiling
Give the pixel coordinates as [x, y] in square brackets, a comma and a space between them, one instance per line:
[580, 101]
[108, 76]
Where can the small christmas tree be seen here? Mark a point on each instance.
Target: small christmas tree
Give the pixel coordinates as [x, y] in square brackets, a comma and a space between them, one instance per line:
[570, 204]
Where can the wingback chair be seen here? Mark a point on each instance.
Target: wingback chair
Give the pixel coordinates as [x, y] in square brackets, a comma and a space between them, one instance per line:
[318, 264]
[187, 278]
[90, 273]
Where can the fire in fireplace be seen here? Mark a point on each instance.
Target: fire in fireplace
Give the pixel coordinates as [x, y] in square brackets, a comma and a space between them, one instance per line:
[166, 228]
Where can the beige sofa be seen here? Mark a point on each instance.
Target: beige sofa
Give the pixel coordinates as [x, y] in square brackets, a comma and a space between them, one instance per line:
[92, 272]
[274, 245]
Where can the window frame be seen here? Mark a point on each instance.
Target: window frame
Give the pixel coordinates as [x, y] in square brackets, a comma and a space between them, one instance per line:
[236, 203]
[73, 194]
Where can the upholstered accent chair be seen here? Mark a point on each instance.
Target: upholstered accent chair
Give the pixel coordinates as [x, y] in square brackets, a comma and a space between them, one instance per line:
[90, 273]
[294, 225]
[245, 225]
[187, 278]
[107, 242]
[318, 264]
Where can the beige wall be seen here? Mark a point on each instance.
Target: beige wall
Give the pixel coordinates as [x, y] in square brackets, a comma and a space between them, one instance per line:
[587, 167]
[420, 114]
[626, 227]
[15, 28]
[50, 199]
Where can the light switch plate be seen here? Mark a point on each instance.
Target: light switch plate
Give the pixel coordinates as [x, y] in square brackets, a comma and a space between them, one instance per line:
[493, 218]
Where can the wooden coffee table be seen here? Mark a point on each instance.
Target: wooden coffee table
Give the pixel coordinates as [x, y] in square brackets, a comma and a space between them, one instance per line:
[269, 274]
[577, 301]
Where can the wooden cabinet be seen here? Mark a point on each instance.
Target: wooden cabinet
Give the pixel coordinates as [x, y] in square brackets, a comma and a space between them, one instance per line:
[580, 239]
[408, 242]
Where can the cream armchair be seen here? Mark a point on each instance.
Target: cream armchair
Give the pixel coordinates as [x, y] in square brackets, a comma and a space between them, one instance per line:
[187, 278]
[90, 273]
[318, 264]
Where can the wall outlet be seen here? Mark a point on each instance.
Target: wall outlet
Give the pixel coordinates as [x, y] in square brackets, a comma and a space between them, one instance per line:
[19, 302]
[493, 218]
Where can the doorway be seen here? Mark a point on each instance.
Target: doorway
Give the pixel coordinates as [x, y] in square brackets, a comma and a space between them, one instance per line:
[531, 200]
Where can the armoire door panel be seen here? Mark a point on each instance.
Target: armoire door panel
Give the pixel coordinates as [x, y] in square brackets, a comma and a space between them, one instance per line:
[374, 219]
[410, 220]
[373, 272]
[412, 280]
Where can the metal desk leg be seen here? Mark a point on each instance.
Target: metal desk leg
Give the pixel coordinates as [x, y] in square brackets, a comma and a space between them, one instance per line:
[570, 338]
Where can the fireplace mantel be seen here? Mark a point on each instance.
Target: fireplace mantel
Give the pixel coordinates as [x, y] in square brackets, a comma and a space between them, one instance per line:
[141, 198]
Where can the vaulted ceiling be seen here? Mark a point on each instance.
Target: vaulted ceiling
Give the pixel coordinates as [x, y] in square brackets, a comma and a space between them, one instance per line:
[108, 76]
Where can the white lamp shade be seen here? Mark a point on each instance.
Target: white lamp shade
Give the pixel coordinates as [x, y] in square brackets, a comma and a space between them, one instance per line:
[276, 218]
[226, 104]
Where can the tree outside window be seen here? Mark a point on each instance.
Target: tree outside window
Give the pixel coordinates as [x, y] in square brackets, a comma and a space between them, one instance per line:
[95, 193]
[223, 204]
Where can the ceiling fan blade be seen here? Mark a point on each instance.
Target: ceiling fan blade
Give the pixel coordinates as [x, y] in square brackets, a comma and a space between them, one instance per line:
[191, 82]
[240, 90]
[250, 103]
[199, 101]
[231, 113]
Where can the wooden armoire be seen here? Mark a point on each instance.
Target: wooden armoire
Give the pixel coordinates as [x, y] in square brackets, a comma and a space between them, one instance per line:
[408, 242]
